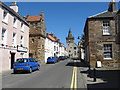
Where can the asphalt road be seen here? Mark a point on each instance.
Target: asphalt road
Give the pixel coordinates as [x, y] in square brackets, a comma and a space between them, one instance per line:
[57, 75]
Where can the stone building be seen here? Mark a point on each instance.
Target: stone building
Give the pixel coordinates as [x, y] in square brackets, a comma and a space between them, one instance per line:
[37, 36]
[100, 42]
[14, 36]
[72, 48]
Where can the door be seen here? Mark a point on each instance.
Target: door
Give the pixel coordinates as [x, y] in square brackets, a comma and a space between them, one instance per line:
[12, 59]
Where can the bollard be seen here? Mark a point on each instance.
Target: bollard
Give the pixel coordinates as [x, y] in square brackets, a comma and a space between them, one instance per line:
[94, 75]
[89, 70]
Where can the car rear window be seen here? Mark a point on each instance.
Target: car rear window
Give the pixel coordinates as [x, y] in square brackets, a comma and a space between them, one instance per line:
[49, 58]
[21, 60]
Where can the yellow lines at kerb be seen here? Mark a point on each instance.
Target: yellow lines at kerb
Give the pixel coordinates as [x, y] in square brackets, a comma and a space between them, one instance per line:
[74, 78]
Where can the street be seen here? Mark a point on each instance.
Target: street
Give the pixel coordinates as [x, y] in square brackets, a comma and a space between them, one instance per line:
[58, 75]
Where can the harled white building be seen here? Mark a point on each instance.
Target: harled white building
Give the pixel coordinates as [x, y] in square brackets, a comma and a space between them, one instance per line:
[14, 36]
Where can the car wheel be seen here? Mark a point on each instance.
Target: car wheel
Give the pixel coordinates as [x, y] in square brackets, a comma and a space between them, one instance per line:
[30, 70]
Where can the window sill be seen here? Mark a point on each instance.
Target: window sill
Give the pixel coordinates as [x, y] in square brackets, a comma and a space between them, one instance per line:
[5, 22]
[107, 58]
[15, 27]
[106, 34]
[22, 31]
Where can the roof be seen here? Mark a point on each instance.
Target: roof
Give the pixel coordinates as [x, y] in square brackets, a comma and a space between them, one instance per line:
[13, 12]
[105, 14]
[33, 18]
[52, 38]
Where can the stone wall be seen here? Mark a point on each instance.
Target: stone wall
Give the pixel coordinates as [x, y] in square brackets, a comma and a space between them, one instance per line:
[97, 40]
[37, 41]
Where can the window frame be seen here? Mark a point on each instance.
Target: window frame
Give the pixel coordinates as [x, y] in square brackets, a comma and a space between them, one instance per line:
[14, 22]
[14, 39]
[5, 18]
[106, 27]
[4, 38]
[108, 51]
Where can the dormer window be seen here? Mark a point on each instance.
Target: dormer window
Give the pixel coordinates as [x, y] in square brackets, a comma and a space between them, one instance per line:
[106, 28]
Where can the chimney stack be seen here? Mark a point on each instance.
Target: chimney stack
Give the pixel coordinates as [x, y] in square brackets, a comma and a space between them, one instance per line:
[42, 14]
[112, 6]
[14, 6]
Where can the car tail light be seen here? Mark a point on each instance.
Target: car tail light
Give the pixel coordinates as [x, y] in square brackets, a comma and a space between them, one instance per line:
[27, 64]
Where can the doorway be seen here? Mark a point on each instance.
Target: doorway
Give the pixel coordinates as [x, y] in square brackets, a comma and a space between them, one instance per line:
[12, 59]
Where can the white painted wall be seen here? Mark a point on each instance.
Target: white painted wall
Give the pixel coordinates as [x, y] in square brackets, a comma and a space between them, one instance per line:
[5, 55]
[49, 49]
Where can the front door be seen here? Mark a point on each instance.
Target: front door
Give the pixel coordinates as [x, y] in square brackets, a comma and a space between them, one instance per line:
[12, 59]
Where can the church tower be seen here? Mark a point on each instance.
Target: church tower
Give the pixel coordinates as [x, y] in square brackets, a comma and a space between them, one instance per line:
[70, 44]
[70, 38]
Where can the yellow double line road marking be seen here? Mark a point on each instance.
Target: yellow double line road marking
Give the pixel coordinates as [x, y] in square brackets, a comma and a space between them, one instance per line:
[74, 78]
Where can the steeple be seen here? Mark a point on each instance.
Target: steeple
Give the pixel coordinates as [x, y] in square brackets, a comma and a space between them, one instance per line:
[70, 34]
[112, 6]
[70, 38]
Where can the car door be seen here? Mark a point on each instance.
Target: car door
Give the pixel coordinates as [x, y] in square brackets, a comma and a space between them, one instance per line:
[35, 64]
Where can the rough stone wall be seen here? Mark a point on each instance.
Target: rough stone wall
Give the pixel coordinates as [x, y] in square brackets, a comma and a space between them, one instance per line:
[37, 41]
[97, 40]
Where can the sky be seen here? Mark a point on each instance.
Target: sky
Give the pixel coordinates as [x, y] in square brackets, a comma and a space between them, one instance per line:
[62, 16]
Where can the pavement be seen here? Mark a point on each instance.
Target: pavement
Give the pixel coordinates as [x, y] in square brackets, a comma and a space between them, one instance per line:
[106, 78]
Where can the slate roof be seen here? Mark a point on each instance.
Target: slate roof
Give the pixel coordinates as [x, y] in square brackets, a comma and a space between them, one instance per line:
[13, 12]
[106, 14]
[33, 18]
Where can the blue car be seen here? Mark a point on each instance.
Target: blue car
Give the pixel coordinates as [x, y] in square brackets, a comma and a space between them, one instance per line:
[26, 64]
[51, 60]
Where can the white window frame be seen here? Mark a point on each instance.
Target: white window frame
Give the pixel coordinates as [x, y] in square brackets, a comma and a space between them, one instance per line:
[106, 27]
[5, 18]
[107, 51]
[22, 26]
[14, 22]
[14, 39]
[22, 41]
[4, 37]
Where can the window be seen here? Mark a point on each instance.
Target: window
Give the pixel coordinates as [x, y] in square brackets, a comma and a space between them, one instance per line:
[14, 39]
[21, 41]
[54, 48]
[3, 35]
[75, 48]
[106, 27]
[5, 17]
[33, 40]
[74, 52]
[107, 51]
[15, 22]
[22, 26]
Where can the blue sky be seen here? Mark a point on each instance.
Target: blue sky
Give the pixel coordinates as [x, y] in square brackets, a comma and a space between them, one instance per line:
[60, 16]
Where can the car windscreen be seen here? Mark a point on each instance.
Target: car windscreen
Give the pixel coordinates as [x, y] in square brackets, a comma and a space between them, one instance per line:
[21, 60]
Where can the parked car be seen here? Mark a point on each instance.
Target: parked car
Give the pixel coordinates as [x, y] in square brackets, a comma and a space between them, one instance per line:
[52, 60]
[26, 64]
[56, 57]
[61, 57]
